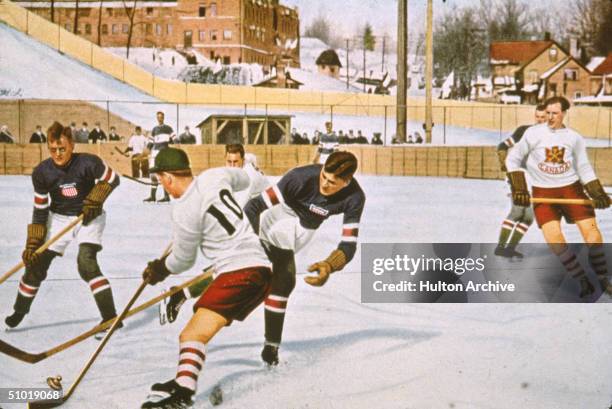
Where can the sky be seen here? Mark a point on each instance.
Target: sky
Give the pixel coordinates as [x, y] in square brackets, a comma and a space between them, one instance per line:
[381, 14]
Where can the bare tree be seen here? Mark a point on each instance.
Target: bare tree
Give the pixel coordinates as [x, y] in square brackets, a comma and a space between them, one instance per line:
[590, 22]
[131, 13]
[506, 19]
[320, 28]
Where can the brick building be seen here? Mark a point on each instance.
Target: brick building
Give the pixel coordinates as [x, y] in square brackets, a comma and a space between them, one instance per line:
[251, 31]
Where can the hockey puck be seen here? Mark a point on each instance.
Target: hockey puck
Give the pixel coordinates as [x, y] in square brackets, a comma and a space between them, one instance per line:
[55, 382]
[216, 396]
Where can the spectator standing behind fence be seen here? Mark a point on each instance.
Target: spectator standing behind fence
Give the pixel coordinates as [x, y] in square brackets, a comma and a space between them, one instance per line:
[360, 138]
[316, 138]
[187, 138]
[38, 136]
[5, 135]
[113, 136]
[418, 138]
[376, 140]
[140, 161]
[82, 135]
[97, 135]
[327, 145]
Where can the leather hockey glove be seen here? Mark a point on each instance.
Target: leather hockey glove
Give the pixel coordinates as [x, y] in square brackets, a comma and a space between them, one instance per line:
[501, 155]
[518, 185]
[601, 200]
[334, 262]
[156, 271]
[36, 238]
[92, 204]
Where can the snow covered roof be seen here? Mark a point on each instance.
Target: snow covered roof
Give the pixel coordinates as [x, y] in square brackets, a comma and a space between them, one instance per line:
[530, 88]
[94, 3]
[594, 63]
[505, 80]
[591, 100]
[554, 68]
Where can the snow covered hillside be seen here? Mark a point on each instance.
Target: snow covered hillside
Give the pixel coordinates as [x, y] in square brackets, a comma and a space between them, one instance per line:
[337, 352]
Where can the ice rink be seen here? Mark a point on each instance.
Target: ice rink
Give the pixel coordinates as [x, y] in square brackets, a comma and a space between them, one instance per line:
[337, 352]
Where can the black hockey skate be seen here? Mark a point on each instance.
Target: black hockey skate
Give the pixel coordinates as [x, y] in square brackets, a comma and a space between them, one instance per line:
[102, 333]
[269, 354]
[168, 311]
[511, 252]
[150, 199]
[13, 320]
[178, 397]
[586, 288]
[500, 251]
[165, 199]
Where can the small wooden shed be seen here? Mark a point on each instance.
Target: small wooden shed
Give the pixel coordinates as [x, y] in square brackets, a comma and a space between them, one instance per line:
[246, 129]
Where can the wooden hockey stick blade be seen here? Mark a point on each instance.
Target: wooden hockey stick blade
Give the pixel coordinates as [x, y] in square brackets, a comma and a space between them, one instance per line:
[45, 404]
[562, 201]
[142, 182]
[31, 358]
[44, 247]
[121, 152]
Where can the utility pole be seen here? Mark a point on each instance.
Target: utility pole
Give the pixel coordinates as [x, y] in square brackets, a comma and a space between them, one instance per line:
[347, 63]
[402, 41]
[364, 65]
[382, 66]
[428, 71]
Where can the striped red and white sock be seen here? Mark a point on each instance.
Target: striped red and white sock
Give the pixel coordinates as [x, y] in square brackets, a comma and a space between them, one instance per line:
[28, 291]
[571, 263]
[597, 259]
[191, 359]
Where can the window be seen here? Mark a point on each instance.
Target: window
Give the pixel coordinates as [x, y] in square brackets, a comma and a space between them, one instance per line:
[149, 11]
[125, 28]
[226, 60]
[532, 77]
[169, 28]
[552, 54]
[202, 10]
[158, 29]
[577, 94]
[87, 28]
[202, 35]
[109, 12]
[213, 9]
[570, 74]
[227, 34]
[553, 89]
[84, 12]
[104, 29]
[115, 28]
[213, 35]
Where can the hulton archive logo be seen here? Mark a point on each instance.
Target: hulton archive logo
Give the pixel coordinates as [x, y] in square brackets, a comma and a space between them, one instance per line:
[69, 190]
[318, 210]
[554, 164]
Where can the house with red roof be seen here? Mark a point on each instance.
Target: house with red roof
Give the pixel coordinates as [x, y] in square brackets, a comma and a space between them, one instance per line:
[537, 70]
[601, 77]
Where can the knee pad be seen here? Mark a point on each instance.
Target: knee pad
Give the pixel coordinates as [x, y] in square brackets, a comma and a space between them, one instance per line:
[528, 216]
[283, 268]
[87, 262]
[36, 274]
[516, 213]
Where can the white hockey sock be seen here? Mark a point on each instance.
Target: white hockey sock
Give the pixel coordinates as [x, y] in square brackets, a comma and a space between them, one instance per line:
[191, 359]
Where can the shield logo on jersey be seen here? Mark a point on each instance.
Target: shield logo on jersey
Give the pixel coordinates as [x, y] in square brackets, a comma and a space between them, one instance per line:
[555, 155]
[69, 190]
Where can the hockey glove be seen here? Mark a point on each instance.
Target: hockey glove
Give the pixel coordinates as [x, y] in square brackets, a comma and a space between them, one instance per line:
[518, 184]
[156, 271]
[92, 204]
[501, 155]
[36, 237]
[601, 200]
[334, 262]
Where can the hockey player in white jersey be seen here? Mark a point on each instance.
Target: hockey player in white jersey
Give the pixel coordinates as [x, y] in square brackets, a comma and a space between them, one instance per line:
[235, 157]
[559, 167]
[206, 216]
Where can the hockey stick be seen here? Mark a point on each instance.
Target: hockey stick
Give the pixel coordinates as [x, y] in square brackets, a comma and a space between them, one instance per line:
[121, 152]
[561, 201]
[139, 181]
[34, 358]
[55, 382]
[44, 247]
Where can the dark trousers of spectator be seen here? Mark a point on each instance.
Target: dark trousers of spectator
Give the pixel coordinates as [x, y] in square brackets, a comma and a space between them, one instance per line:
[140, 166]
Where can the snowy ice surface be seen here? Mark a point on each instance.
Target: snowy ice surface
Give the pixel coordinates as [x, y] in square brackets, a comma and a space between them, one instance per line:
[337, 352]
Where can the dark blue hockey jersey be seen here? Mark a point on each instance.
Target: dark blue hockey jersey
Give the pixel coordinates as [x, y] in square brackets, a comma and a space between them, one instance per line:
[299, 189]
[62, 189]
